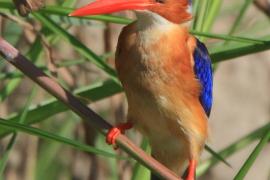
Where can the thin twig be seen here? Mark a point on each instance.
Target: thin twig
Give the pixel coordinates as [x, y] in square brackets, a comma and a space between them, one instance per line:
[13, 56]
[51, 63]
[19, 21]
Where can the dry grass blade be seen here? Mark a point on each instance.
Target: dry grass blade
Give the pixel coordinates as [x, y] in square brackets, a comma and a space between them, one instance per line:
[24, 7]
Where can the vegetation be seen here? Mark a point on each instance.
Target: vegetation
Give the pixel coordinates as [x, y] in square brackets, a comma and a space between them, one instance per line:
[61, 145]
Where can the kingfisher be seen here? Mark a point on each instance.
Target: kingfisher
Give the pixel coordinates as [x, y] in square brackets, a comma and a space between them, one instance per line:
[166, 74]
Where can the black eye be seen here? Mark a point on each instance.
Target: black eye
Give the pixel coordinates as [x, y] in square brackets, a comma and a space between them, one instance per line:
[160, 1]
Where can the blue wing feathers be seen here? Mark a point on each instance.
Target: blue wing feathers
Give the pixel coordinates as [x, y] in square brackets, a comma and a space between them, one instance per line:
[203, 71]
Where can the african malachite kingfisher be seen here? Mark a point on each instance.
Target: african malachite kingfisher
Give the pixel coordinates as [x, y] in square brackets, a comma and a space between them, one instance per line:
[167, 77]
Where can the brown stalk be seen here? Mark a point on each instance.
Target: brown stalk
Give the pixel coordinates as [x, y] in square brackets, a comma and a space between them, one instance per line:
[264, 6]
[13, 56]
[24, 7]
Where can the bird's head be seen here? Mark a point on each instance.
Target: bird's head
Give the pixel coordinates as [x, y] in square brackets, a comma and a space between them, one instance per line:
[176, 11]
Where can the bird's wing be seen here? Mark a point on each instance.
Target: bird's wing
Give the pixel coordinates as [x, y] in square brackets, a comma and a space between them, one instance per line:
[203, 71]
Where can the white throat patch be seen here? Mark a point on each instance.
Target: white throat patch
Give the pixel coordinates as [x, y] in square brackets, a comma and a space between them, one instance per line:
[147, 19]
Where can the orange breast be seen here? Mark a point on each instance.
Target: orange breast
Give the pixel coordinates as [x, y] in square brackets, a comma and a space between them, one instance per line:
[161, 89]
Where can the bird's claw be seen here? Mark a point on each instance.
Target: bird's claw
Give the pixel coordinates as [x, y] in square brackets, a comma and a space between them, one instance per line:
[115, 131]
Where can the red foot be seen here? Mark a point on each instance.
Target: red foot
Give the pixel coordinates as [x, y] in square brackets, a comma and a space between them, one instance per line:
[115, 131]
[191, 170]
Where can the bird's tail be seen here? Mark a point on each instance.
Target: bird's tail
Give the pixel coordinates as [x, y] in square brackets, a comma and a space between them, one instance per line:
[154, 177]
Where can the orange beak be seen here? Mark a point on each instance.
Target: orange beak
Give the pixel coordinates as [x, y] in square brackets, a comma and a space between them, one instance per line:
[110, 6]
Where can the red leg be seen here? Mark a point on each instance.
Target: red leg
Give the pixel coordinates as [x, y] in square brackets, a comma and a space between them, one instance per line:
[191, 170]
[115, 131]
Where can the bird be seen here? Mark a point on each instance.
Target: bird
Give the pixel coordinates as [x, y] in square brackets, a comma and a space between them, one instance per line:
[166, 75]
